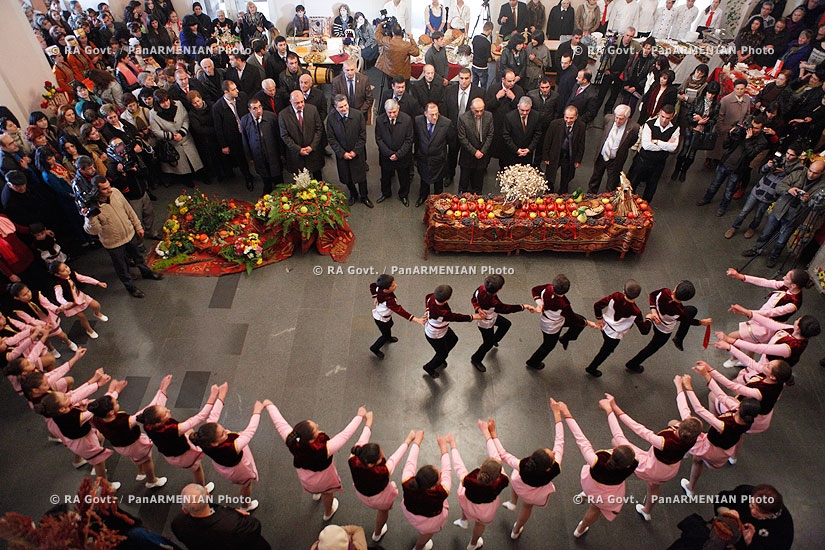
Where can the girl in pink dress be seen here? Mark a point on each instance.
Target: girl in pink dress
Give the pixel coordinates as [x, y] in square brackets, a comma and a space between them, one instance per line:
[371, 472]
[603, 476]
[38, 312]
[785, 341]
[478, 490]
[712, 449]
[20, 368]
[313, 451]
[122, 431]
[425, 492]
[27, 342]
[68, 294]
[170, 436]
[230, 452]
[532, 476]
[660, 463]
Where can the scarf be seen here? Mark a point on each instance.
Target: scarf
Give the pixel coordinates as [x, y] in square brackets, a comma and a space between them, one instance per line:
[167, 114]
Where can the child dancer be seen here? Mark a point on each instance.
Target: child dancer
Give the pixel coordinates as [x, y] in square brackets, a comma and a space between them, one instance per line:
[39, 312]
[478, 490]
[666, 312]
[532, 476]
[486, 301]
[425, 493]
[603, 476]
[313, 451]
[662, 460]
[556, 314]
[371, 473]
[437, 329]
[715, 447]
[615, 315]
[122, 431]
[230, 451]
[28, 342]
[18, 369]
[786, 341]
[170, 436]
[74, 301]
[383, 296]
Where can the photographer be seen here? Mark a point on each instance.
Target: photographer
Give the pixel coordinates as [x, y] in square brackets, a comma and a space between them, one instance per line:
[395, 52]
[744, 141]
[125, 173]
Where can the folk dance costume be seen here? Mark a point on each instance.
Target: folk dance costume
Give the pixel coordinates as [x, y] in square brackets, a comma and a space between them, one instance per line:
[780, 305]
[618, 314]
[781, 345]
[67, 291]
[494, 309]
[426, 509]
[233, 459]
[76, 430]
[715, 447]
[534, 488]
[315, 468]
[385, 304]
[171, 440]
[34, 315]
[19, 343]
[438, 332]
[672, 314]
[372, 483]
[124, 433]
[752, 385]
[479, 502]
[556, 313]
[604, 488]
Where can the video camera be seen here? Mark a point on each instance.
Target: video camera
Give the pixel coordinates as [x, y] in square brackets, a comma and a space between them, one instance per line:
[740, 129]
[390, 21]
[86, 197]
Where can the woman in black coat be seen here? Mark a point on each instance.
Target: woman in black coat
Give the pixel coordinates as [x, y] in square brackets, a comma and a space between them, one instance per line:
[561, 20]
[700, 120]
[663, 93]
[202, 128]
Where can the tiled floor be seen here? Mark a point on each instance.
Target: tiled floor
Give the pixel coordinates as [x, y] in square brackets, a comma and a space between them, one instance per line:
[301, 340]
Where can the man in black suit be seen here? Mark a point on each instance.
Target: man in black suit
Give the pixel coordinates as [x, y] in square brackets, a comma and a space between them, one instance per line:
[301, 131]
[276, 63]
[394, 138]
[313, 96]
[347, 134]
[182, 86]
[427, 89]
[545, 103]
[226, 114]
[475, 136]
[288, 80]
[247, 78]
[261, 142]
[584, 97]
[210, 79]
[618, 136]
[269, 97]
[458, 97]
[574, 49]
[432, 133]
[355, 86]
[564, 147]
[406, 101]
[502, 97]
[521, 133]
[565, 82]
[512, 16]
[259, 57]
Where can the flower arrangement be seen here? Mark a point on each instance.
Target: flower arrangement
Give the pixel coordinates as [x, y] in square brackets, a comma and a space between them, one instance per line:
[246, 250]
[521, 182]
[307, 205]
[49, 96]
[202, 214]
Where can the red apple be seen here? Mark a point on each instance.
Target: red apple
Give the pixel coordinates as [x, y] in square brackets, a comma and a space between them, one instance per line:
[644, 206]
[472, 207]
[464, 213]
[522, 214]
[533, 207]
[631, 215]
[608, 207]
[463, 206]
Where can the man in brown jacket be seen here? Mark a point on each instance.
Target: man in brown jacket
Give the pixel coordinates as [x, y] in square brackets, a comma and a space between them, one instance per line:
[396, 52]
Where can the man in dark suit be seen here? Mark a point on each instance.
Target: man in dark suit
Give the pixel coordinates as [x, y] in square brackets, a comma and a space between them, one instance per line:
[475, 136]
[355, 86]
[269, 97]
[313, 96]
[584, 97]
[259, 57]
[565, 82]
[247, 78]
[545, 103]
[574, 49]
[618, 136]
[502, 97]
[406, 101]
[394, 138]
[432, 133]
[301, 131]
[512, 16]
[564, 147]
[288, 80]
[521, 133]
[276, 63]
[210, 79]
[458, 97]
[261, 142]
[226, 114]
[347, 134]
[182, 86]
[427, 89]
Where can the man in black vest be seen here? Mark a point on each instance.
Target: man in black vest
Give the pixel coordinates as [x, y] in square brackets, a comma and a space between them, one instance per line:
[660, 137]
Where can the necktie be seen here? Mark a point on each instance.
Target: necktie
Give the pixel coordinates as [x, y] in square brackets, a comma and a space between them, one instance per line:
[301, 119]
[351, 92]
[567, 145]
[608, 145]
[186, 90]
[579, 90]
[462, 102]
[515, 17]
[710, 19]
[604, 14]
[430, 128]
[478, 127]
[523, 124]
[235, 112]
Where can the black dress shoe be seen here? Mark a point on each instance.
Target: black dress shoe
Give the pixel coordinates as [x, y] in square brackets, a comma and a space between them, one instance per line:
[540, 366]
[378, 353]
[595, 373]
[420, 201]
[405, 201]
[749, 253]
[381, 199]
[635, 368]
[432, 372]
[679, 345]
[250, 184]
[478, 365]
[352, 200]
[154, 275]
[367, 202]
[136, 292]
[392, 339]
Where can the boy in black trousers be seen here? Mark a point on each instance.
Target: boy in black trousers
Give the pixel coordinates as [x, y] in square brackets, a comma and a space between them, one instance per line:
[383, 295]
[437, 328]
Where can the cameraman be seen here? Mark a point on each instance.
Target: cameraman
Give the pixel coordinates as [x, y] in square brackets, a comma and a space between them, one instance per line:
[794, 191]
[764, 192]
[395, 52]
[123, 169]
[743, 142]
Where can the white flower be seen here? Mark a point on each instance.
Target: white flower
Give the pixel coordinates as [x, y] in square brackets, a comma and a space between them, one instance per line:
[302, 179]
[521, 182]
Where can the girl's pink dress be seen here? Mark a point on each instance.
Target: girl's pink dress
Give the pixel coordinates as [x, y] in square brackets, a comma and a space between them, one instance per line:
[423, 524]
[386, 498]
[79, 298]
[246, 470]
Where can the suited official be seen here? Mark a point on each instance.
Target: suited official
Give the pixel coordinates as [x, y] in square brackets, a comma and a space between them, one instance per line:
[584, 97]
[303, 142]
[183, 85]
[458, 97]
[521, 134]
[211, 78]
[545, 103]
[394, 138]
[431, 151]
[247, 78]
[359, 93]
[269, 97]
[406, 100]
[564, 148]
[262, 144]
[475, 136]
[427, 89]
[502, 98]
[347, 134]
[618, 136]
[565, 82]
[226, 114]
[259, 57]
[513, 16]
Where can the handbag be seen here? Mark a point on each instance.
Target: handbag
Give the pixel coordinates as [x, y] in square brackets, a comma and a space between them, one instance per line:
[705, 141]
[167, 152]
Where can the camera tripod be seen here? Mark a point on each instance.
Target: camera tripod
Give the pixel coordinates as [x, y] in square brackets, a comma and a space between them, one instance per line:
[485, 11]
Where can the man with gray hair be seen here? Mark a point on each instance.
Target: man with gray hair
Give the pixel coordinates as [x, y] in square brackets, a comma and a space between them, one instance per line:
[211, 77]
[355, 86]
[200, 525]
[475, 136]
[394, 138]
[521, 134]
[269, 97]
[618, 136]
[347, 134]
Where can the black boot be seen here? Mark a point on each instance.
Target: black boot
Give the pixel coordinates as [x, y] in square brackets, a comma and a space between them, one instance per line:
[685, 166]
[679, 162]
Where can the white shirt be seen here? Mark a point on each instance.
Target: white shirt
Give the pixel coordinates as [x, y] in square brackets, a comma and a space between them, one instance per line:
[400, 12]
[647, 15]
[610, 147]
[647, 139]
[464, 13]
[664, 23]
[623, 15]
[683, 21]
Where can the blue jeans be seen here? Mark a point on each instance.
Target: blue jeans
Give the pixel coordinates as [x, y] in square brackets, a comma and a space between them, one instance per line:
[785, 229]
[723, 173]
[480, 77]
[752, 204]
